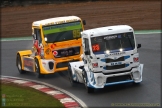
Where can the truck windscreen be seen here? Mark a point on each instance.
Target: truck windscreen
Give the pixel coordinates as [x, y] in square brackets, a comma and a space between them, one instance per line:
[62, 32]
[113, 43]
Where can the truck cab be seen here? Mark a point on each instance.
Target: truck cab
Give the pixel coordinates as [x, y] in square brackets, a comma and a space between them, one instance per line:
[56, 41]
[110, 56]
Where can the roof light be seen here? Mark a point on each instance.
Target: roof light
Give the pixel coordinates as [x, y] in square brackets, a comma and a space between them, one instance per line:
[45, 39]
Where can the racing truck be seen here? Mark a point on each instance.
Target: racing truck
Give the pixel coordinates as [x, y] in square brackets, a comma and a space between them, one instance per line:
[110, 57]
[56, 41]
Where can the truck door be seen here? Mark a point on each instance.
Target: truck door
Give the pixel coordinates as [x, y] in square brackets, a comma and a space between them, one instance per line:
[37, 40]
[86, 58]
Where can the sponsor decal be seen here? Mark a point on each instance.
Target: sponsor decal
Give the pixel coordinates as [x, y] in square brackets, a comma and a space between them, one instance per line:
[97, 39]
[29, 64]
[37, 47]
[55, 53]
[106, 55]
[92, 79]
[116, 63]
[126, 57]
[47, 51]
[61, 22]
[117, 53]
[68, 44]
[110, 37]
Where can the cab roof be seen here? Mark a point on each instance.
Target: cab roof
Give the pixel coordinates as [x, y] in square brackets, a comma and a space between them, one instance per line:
[108, 30]
[56, 20]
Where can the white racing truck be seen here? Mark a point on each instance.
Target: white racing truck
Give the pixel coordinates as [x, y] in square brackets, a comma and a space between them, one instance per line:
[109, 57]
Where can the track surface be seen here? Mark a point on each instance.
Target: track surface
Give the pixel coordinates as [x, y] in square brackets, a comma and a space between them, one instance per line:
[149, 91]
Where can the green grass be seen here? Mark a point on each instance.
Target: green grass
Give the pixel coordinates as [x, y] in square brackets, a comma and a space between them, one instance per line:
[20, 96]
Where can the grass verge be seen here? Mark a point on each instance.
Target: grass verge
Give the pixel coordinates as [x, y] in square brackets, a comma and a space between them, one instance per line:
[14, 95]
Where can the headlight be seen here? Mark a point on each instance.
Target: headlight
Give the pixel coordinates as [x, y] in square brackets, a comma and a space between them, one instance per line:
[95, 65]
[120, 49]
[136, 59]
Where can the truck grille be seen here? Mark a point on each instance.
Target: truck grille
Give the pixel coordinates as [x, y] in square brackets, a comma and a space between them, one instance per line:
[118, 78]
[115, 67]
[67, 52]
[64, 64]
[108, 60]
[110, 73]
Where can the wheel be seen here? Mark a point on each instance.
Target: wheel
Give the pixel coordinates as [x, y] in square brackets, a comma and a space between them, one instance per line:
[137, 83]
[70, 76]
[89, 89]
[19, 64]
[37, 69]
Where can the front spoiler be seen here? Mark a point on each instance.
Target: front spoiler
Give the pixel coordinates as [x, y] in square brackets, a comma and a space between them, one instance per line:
[93, 80]
[121, 82]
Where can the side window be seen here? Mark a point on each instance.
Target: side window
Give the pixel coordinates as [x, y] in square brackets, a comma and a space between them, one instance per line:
[38, 35]
[86, 44]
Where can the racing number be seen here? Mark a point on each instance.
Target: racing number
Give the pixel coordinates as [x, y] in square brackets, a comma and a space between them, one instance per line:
[96, 47]
[76, 33]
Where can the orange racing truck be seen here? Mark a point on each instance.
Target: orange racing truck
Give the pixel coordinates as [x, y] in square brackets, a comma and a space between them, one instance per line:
[56, 41]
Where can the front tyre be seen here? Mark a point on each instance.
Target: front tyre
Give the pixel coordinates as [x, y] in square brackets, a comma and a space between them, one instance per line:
[89, 89]
[37, 69]
[70, 76]
[19, 64]
[136, 83]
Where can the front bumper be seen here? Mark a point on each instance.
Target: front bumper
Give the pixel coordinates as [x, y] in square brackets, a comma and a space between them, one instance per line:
[50, 66]
[100, 80]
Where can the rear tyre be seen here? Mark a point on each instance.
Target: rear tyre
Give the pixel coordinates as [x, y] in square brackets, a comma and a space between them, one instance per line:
[89, 89]
[70, 76]
[37, 69]
[19, 64]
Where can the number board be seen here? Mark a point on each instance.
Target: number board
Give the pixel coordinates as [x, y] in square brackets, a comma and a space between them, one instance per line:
[95, 47]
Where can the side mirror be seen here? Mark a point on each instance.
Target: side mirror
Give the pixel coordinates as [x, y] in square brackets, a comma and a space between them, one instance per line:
[87, 53]
[84, 22]
[81, 67]
[139, 46]
[34, 36]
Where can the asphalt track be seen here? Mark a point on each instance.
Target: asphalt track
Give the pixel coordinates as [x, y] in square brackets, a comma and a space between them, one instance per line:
[148, 93]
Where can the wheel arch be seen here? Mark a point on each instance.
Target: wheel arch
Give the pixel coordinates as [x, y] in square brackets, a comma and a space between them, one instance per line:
[25, 52]
[21, 54]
